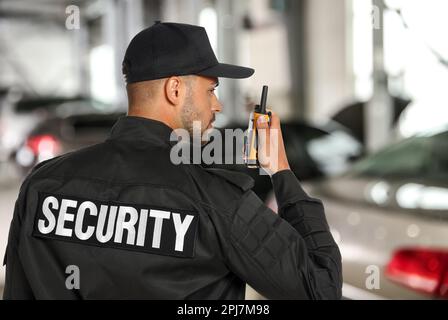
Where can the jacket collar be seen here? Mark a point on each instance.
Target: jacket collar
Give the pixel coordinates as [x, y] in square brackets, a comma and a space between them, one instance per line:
[138, 128]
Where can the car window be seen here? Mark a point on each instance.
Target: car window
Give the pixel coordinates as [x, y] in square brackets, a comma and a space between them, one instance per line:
[439, 157]
[333, 151]
[411, 158]
[296, 138]
[95, 123]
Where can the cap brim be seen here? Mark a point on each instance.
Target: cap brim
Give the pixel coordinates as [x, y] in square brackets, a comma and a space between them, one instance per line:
[223, 70]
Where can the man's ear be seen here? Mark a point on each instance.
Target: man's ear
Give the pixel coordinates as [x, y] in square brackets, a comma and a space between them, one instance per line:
[173, 90]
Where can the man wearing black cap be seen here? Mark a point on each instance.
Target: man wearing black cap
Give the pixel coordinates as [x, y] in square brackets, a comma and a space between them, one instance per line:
[120, 220]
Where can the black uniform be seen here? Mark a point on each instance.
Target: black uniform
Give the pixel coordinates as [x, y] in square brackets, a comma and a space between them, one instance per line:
[139, 227]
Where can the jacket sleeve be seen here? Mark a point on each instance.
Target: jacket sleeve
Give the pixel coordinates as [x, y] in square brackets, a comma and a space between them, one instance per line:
[17, 286]
[16, 283]
[287, 256]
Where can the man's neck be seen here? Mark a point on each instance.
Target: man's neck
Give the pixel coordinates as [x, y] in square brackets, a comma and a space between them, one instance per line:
[158, 117]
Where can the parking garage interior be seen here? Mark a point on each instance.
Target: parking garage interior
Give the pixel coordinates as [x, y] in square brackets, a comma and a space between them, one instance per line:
[360, 86]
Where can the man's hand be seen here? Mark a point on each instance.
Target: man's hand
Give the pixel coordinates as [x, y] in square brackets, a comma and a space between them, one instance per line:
[271, 149]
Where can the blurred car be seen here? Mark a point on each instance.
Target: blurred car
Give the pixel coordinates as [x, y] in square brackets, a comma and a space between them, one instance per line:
[19, 114]
[389, 215]
[61, 134]
[313, 152]
[16, 119]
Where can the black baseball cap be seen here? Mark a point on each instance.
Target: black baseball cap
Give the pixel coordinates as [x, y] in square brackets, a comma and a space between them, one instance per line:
[174, 49]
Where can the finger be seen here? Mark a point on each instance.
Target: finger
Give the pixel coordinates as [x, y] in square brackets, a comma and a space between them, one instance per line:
[263, 146]
[275, 120]
[262, 123]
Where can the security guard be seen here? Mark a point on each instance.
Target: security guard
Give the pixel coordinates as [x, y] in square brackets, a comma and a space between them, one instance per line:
[134, 225]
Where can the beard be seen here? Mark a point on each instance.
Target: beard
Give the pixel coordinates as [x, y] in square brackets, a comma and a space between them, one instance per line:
[189, 115]
[191, 119]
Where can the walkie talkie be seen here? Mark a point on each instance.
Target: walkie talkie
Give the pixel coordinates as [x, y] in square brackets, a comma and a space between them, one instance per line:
[251, 138]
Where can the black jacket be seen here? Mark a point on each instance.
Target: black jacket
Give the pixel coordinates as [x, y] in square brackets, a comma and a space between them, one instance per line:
[136, 226]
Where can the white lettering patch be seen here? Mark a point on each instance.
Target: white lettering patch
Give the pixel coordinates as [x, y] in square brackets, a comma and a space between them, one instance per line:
[116, 225]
